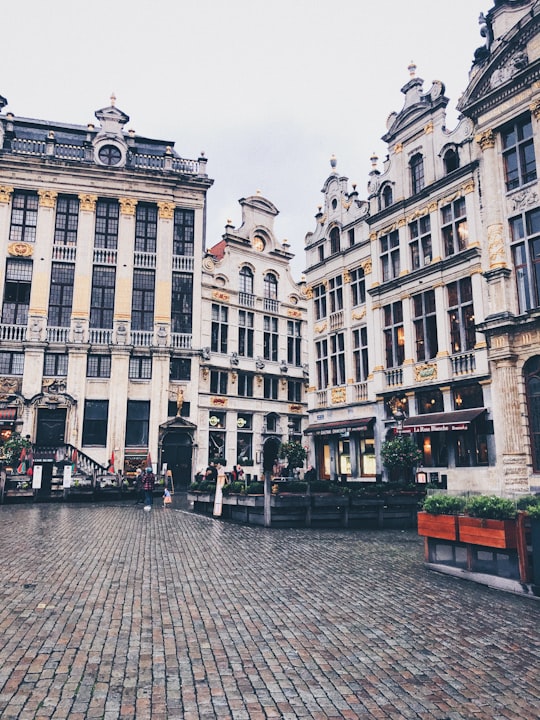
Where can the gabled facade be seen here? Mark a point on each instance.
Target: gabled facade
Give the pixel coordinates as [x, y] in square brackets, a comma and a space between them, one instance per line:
[254, 337]
[101, 238]
[441, 341]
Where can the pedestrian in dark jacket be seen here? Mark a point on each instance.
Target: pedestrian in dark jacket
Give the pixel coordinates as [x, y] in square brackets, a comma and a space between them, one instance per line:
[149, 481]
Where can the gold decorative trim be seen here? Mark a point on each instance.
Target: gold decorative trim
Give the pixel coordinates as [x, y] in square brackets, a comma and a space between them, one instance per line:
[346, 205]
[486, 140]
[497, 256]
[433, 207]
[373, 236]
[5, 193]
[346, 276]
[294, 313]
[20, 249]
[218, 401]
[338, 395]
[308, 292]
[398, 147]
[427, 371]
[320, 328]
[359, 315]
[534, 107]
[296, 408]
[468, 187]
[127, 206]
[47, 198]
[88, 202]
[220, 295]
[429, 128]
[366, 266]
[166, 210]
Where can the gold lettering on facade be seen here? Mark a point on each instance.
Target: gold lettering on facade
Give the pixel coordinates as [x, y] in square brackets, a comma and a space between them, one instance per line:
[88, 202]
[47, 198]
[127, 206]
[339, 395]
[166, 210]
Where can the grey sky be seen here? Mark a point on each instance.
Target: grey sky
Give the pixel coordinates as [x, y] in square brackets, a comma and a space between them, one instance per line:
[268, 90]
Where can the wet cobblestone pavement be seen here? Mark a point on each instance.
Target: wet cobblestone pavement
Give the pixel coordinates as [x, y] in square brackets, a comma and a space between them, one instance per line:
[110, 612]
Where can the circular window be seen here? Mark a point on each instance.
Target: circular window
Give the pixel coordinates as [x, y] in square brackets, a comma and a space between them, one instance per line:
[109, 155]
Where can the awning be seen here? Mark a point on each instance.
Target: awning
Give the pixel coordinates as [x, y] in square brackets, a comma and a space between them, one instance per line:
[441, 422]
[8, 413]
[331, 428]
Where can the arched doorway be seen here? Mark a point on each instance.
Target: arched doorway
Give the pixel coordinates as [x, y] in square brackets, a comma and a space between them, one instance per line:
[176, 444]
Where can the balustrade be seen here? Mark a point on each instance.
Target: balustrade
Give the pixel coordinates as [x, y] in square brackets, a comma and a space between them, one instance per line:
[16, 333]
[394, 377]
[463, 364]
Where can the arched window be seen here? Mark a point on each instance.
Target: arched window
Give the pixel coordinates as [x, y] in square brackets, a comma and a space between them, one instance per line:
[335, 245]
[531, 373]
[270, 286]
[246, 280]
[417, 173]
[450, 160]
[387, 197]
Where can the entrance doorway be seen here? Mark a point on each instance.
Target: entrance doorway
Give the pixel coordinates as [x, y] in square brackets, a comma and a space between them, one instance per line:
[176, 452]
[51, 427]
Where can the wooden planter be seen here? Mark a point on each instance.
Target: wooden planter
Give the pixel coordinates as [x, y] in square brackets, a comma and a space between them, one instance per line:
[491, 533]
[443, 527]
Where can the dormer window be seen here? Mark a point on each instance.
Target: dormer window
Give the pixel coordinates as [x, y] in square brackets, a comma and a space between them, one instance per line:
[109, 155]
[450, 160]
[387, 197]
[335, 245]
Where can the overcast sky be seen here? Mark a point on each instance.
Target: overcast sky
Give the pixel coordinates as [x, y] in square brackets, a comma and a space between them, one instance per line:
[269, 90]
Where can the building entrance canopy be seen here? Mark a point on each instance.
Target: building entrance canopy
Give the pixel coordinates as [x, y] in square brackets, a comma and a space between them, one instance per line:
[339, 426]
[441, 422]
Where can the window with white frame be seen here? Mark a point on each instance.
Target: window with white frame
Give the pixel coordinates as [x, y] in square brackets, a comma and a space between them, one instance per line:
[246, 322]
[425, 325]
[24, 212]
[394, 335]
[358, 286]
[525, 238]
[518, 152]
[140, 368]
[360, 354]
[319, 300]
[335, 293]
[420, 242]
[294, 342]
[461, 315]
[416, 166]
[270, 338]
[220, 328]
[337, 358]
[390, 262]
[455, 231]
[321, 364]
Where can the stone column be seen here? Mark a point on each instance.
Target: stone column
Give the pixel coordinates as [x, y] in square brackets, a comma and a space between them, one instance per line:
[82, 287]
[124, 262]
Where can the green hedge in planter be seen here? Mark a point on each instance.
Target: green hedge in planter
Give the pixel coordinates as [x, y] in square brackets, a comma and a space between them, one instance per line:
[255, 488]
[294, 486]
[444, 505]
[490, 507]
[234, 488]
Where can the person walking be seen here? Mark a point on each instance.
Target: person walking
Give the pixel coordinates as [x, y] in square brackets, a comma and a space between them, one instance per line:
[139, 487]
[149, 481]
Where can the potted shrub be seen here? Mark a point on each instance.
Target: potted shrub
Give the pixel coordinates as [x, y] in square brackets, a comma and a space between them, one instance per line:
[489, 521]
[295, 454]
[399, 456]
[438, 518]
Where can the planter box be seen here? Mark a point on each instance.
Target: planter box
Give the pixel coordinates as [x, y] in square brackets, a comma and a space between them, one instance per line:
[329, 500]
[490, 533]
[443, 527]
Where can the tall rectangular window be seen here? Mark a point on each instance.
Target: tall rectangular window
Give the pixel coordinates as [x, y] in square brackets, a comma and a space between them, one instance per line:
[394, 335]
[360, 354]
[271, 388]
[294, 391]
[321, 364]
[454, 227]
[66, 221]
[140, 368]
[146, 218]
[245, 384]
[220, 328]
[218, 382]
[102, 297]
[11, 363]
[17, 292]
[336, 293]
[182, 303]
[420, 242]
[245, 333]
[358, 287]
[180, 369]
[417, 173]
[142, 309]
[337, 359]
[55, 364]
[518, 153]
[294, 342]
[98, 366]
[319, 294]
[244, 438]
[95, 423]
[390, 264]
[461, 315]
[61, 294]
[184, 232]
[425, 325]
[107, 214]
[137, 423]
[24, 212]
[525, 233]
[270, 338]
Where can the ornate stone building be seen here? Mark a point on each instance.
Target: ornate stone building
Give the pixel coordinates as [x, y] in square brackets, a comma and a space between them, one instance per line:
[254, 335]
[424, 296]
[102, 235]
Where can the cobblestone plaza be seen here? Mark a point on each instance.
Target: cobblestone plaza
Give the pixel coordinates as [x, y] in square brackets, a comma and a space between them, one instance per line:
[110, 612]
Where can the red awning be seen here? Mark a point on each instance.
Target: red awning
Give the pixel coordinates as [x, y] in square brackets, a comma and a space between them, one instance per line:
[8, 413]
[441, 422]
[339, 426]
